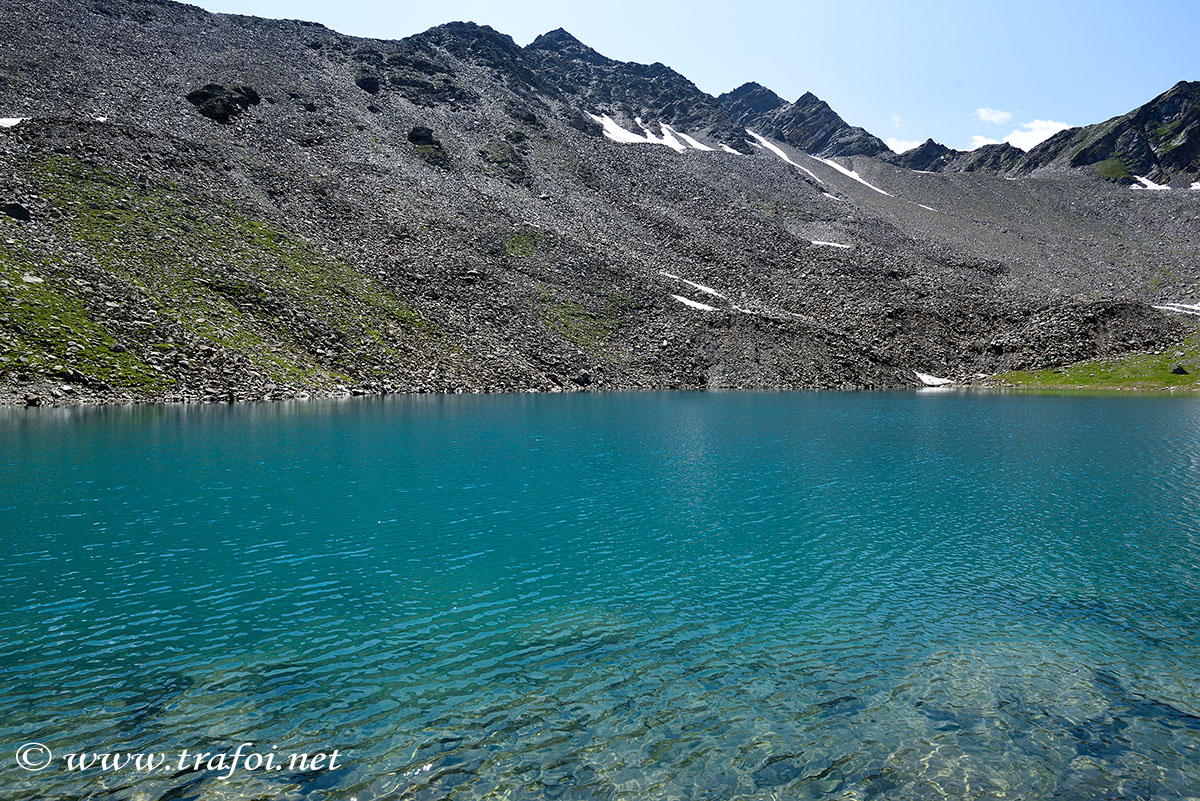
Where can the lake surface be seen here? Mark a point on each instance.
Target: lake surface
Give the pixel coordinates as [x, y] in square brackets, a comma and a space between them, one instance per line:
[631, 596]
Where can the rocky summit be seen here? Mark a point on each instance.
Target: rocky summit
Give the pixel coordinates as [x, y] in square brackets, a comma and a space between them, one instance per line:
[209, 207]
[809, 123]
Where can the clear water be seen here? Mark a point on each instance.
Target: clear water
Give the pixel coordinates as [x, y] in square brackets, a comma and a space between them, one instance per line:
[649, 596]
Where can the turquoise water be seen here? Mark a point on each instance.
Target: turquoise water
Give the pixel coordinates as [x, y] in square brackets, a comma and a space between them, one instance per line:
[644, 596]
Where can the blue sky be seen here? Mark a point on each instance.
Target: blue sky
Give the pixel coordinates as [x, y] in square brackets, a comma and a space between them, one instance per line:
[960, 72]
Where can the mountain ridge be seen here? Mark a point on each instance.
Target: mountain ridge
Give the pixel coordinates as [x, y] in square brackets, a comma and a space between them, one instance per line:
[1159, 141]
[809, 123]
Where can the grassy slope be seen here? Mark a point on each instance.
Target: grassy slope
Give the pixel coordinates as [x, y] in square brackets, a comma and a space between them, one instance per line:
[228, 278]
[1149, 371]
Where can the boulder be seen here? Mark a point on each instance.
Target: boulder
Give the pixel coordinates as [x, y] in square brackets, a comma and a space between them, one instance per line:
[223, 104]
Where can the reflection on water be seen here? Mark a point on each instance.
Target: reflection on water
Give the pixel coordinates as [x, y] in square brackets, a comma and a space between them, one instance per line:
[658, 596]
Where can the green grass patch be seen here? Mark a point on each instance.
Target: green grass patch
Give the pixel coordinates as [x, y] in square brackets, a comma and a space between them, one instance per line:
[585, 329]
[1112, 170]
[44, 328]
[523, 245]
[1137, 371]
[1166, 130]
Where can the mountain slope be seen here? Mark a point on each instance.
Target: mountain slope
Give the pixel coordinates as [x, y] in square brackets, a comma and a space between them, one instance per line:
[199, 206]
[1159, 141]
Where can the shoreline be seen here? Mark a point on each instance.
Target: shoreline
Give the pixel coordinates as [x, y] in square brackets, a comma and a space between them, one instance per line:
[986, 386]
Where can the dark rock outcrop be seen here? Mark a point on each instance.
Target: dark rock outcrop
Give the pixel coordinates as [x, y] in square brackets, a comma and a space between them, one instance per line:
[429, 147]
[750, 101]
[1001, 158]
[223, 104]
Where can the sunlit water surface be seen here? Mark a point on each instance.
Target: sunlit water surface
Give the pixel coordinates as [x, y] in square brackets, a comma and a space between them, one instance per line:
[652, 596]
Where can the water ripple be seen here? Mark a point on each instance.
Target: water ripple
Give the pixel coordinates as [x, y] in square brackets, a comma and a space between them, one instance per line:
[652, 596]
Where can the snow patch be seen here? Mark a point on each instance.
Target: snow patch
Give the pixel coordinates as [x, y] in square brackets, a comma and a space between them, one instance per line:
[832, 197]
[850, 174]
[693, 304]
[100, 119]
[762, 142]
[929, 208]
[667, 138]
[616, 132]
[689, 140]
[670, 137]
[729, 149]
[32, 279]
[1196, 185]
[1181, 308]
[705, 289]
[932, 380]
[1148, 184]
[9, 122]
[819, 243]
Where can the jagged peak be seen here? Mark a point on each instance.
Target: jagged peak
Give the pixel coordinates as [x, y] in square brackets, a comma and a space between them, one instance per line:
[929, 146]
[561, 42]
[750, 99]
[750, 88]
[555, 39]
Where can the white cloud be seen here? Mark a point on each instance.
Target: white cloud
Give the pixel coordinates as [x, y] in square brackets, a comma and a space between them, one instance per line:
[1025, 137]
[993, 115]
[896, 120]
[980, 141]
[900, 145]
[1033, 133]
